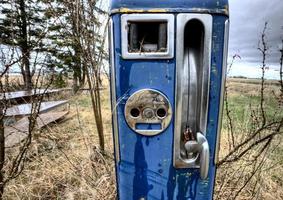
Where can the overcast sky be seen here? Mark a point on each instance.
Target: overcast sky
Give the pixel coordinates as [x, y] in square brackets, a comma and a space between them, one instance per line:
[247, 18]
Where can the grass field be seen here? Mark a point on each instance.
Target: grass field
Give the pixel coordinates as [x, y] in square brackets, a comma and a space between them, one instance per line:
[244, 100]
[64, 161]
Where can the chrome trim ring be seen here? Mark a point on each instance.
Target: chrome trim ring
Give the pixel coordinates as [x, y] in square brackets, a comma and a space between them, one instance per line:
[147, 102]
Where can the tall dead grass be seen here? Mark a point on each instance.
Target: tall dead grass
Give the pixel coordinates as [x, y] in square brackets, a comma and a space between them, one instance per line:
[253, 176]
[265, 184]
[64, 161]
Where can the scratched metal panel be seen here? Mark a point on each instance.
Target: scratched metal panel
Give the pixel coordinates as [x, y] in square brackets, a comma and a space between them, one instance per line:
[142, 173]
[145, 166]
[208, 6]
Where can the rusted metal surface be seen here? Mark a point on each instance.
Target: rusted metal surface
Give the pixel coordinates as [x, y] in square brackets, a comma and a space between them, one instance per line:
[128, 10]
[169, 6]
[18, 132]
[25, 109]
[224, 11]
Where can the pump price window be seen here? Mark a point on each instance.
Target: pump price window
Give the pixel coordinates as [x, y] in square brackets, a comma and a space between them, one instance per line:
[147, 36]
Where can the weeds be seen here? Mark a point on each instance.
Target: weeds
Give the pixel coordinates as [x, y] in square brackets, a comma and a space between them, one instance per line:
[64, 161]
[255, 121]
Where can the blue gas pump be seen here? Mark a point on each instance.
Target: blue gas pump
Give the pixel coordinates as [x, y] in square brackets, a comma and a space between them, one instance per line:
[168, 66]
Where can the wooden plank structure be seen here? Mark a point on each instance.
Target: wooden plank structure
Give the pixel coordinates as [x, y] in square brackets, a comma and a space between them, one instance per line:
[25, 109]
[26, 96]
[48, 113]
[17, 132]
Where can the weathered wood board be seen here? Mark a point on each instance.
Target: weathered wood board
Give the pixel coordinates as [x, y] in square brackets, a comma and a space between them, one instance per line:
[18, 132]
[28, 94]
[25, 109]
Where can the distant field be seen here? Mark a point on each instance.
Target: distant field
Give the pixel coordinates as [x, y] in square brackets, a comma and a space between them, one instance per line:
[253, 81]
[245, 93]
[244, 100]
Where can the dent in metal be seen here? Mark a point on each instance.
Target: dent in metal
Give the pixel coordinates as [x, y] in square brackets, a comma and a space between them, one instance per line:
[186, 76]
[127, 18]
[113, 92]
[148, 102]
[224, 73]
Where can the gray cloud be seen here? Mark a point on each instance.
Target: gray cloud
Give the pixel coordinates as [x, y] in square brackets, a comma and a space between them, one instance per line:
[247, 18]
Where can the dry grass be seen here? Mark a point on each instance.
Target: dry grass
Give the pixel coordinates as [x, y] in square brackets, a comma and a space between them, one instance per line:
[266, 185]
[251, 87]
[267, 182]
[64, 161]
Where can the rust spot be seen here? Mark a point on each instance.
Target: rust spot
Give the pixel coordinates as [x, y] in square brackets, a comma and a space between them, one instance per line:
[157, 11]
[128, 10]
[226, 9]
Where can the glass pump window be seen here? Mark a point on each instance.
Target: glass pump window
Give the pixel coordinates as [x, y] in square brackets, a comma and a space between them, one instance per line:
[147, 37]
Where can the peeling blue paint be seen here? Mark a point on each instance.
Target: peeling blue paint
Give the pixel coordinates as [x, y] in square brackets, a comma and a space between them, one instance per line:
[146, 167]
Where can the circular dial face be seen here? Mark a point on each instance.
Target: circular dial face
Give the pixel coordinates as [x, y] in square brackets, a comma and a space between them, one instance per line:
[148, 112]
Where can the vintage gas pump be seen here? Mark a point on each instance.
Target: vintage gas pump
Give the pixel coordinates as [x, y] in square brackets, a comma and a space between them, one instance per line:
[168, 66]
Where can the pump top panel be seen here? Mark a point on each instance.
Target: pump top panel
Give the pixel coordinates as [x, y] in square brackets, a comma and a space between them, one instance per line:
[167, 6]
